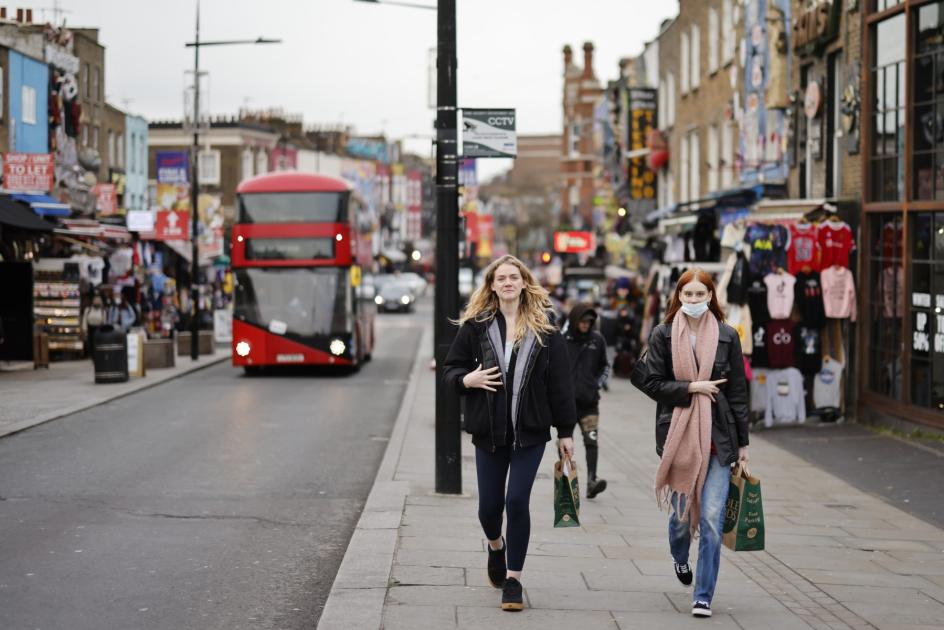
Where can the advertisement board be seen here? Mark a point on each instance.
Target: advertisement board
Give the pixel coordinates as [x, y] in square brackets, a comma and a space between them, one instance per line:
[173, 167]
[642, 121]
[489, 133]
[574, 242]
[172, 225]
[28, 172]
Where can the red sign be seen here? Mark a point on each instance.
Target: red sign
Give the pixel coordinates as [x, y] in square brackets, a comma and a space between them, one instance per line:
[28, 172]
[172, 225]
[574, 242]
[105, 200]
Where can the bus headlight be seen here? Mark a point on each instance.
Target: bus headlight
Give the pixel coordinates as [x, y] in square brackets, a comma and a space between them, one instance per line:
[337, 347]
[378, 300]
[405, 299]
[242, 348]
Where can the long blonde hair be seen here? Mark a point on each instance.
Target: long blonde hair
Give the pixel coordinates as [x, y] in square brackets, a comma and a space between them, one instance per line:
[533, 303]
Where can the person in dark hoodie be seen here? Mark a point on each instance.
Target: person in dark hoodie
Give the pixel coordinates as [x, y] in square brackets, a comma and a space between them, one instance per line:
[589, 368]
[509, 362]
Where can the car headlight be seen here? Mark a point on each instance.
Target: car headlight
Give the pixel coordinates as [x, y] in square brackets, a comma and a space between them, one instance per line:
[378, 300]
[337, 347]
[242, 348]
[405, 299]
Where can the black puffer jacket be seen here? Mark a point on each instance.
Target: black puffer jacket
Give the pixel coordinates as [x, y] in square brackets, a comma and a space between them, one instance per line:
[546, 399]
[588, 362]
[729, 414]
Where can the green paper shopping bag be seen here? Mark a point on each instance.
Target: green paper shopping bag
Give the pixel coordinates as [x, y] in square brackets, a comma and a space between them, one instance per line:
[566, 494]
[744, 512]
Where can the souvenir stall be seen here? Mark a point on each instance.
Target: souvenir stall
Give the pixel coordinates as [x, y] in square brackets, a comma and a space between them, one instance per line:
[788, 290]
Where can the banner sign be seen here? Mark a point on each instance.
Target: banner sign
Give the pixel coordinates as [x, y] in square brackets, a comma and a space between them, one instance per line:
[140, 220]
[173, 167]
[172, 225]
[489, 133]
[642, 121]
[106, 200]
[574, 242]
[28, 172]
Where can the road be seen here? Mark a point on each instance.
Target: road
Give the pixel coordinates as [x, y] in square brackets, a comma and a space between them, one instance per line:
[212, 501]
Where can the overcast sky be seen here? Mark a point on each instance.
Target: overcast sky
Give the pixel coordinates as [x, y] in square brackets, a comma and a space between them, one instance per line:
[360, 64]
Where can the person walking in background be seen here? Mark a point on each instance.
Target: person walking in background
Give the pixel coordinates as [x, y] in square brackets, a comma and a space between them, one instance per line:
[589, 368]
[510, 362]
[92, 319]
[695, 372]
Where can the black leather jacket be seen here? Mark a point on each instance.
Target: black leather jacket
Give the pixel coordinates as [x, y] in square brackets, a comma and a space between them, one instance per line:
[729, 414]
[547, 395]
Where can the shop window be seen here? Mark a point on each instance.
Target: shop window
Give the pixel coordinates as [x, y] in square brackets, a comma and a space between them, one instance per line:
[684, 60]
[670, 104]
[887, 158]
[927, 113]
[881, 5]
[712, 40]
[696, 57]
[28, 104]
[886, 304]
[926, 298]
[713, 157]
[727, 31]
[694, 187]
[85, 80]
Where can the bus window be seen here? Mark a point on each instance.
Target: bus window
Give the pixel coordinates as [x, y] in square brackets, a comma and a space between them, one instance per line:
[303, 207]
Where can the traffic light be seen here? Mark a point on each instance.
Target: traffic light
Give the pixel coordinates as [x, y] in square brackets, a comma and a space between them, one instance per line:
[546, 258]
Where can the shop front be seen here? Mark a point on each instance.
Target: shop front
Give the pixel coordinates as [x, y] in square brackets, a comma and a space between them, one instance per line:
[902, 343]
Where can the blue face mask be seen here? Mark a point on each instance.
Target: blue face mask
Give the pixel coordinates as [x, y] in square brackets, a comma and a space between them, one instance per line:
[695, 310]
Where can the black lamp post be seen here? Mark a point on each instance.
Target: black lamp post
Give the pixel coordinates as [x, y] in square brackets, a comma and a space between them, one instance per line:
[194, 170]
[446, 305]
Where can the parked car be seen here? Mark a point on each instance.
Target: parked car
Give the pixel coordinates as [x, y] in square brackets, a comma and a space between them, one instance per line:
[395, 296]
[416, 281]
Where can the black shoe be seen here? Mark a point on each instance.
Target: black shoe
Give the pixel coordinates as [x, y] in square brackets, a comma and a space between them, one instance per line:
[595, 487]
[701, 609]
[511, 595]
[684, 573]
[496, 565]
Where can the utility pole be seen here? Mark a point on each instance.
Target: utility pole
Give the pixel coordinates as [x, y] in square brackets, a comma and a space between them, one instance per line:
[194, 193]
[448, 433]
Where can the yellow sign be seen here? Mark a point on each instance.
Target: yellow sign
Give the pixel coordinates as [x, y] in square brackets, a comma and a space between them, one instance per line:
[355, 276]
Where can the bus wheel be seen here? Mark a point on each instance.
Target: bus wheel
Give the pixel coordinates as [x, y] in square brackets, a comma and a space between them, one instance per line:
[251, 370]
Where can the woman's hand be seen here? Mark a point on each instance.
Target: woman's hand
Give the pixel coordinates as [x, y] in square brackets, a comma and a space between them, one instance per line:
[566, 447]
[742, 455]
[709, 388]
[483, 379]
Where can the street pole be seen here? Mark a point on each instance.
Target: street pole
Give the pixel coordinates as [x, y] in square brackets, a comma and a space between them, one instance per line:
[446, 308]
[194, 246]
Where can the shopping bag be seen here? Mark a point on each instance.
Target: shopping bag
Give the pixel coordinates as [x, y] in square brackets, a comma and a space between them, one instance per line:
[566, 494]
[744, 512]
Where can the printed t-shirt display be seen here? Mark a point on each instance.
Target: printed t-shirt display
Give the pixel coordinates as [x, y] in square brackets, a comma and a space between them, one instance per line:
[739, 318]
[779, 294]
[757, 300]
[839, 295]
[835, 241]
[781, 343]
[804, 252]
[809, 299]
[827, 385]
[809, 350]
[759, 356]
[768, 245]
[786, 402]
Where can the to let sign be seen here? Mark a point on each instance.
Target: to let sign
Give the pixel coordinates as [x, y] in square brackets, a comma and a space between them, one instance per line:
[574, 242]
[105, 199]
[172, 225]
[28, 172]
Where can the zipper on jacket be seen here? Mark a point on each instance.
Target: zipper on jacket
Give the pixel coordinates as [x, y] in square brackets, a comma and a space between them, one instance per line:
[527, 377]
[491, 416]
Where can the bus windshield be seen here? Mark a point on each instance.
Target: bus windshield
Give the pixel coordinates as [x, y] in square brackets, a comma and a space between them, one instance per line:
[295, 302]
[302, 207]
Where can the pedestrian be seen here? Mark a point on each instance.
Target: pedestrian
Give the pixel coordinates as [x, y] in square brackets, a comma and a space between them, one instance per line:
[589, 369]
[92, 320]
[123, 315]
[696, 375]
[510, 363]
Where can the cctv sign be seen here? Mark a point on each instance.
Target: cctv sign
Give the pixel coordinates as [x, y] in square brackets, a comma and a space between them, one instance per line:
[489, 133]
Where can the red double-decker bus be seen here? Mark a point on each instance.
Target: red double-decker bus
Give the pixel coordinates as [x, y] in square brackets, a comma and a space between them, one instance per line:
[299, 245]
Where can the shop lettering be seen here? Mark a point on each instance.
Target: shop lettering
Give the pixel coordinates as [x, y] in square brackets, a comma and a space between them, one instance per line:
[812, 25]
[501, 121]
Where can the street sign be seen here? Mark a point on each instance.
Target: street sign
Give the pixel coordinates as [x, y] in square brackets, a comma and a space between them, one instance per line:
[489, 133]
[574, 242]
[172, 225]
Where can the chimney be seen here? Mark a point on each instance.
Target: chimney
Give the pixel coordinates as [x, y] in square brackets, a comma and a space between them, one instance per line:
[588, 60]
[568, 56]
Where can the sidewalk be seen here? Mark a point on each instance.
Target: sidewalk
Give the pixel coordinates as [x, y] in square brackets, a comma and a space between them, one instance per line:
[30, 397]
[836, 557]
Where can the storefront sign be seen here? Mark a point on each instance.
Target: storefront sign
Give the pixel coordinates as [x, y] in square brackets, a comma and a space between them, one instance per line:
[28, 172]
[642, 178]
[574, 242]
[489, 133]
[140, 220]
[921, 339]
[173, 167]
[815, 26]
[222, 325]
[172, 225]
[106, 201]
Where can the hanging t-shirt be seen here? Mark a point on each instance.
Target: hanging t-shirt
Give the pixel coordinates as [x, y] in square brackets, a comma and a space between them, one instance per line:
[781, 343]
[827, 385]
[732, 234]
[769, 245]
[779, 294]
[804, 252]
[809, 350]
[809, 299]
[739, 318]
[839, 295]
[738, 281]
[835, 241]
[759, 358]
[892, 290]
[759, 390]
[757, 300]
[786, 401]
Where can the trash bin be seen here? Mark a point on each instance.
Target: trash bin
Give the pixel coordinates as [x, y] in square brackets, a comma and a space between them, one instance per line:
[110, 355]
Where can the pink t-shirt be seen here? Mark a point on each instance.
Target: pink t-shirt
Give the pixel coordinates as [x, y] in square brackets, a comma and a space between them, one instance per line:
[779, 294]
[839, 296]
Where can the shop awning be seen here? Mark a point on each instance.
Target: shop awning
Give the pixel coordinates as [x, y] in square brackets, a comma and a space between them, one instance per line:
[91, 228]
[44, 205]
[16, 215]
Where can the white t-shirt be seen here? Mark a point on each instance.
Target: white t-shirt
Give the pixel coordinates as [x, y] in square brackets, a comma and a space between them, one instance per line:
[827, 386]
[509, 347]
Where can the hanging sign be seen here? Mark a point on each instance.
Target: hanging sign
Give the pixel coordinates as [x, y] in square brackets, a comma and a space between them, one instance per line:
[489, 133]
[172, 225]
[28, 172]
[574, 242]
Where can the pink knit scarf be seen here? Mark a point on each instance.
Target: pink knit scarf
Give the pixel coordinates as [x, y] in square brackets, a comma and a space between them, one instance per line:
[687, 448]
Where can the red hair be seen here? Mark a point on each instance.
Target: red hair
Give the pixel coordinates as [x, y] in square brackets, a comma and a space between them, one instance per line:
[697, 275]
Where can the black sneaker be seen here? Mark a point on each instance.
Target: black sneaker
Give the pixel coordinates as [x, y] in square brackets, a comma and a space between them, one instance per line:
[701, 609]
[684, 573]
[595, 487]
[511, 595]
[496, 565]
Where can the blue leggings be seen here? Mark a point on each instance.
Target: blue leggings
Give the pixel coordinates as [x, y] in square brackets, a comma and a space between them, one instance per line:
[492, 471]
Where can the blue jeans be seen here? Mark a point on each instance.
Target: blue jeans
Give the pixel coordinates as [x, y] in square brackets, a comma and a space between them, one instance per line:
[713, 497]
